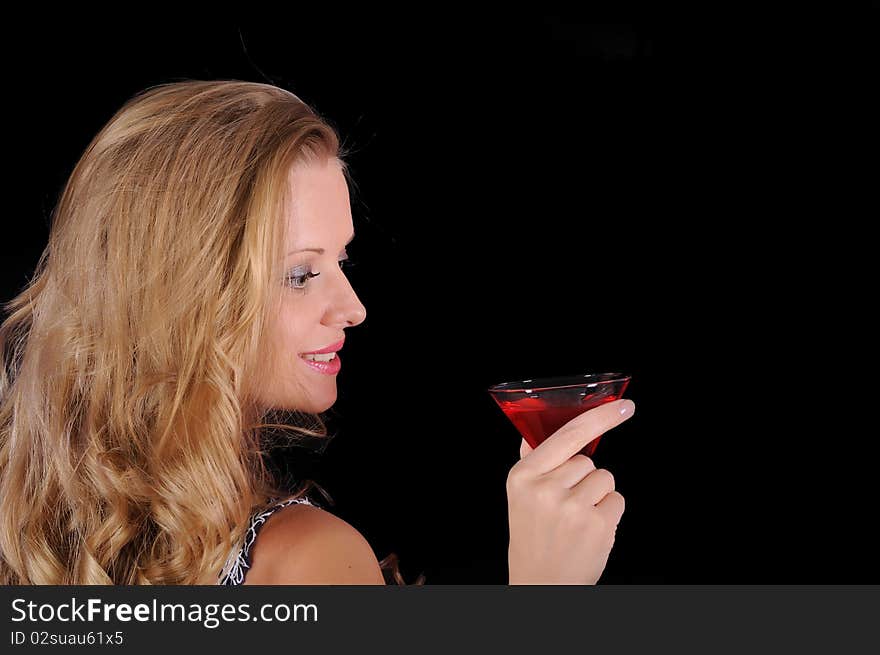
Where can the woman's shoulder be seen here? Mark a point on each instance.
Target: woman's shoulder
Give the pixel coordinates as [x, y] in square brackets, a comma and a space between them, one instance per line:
[301, 544]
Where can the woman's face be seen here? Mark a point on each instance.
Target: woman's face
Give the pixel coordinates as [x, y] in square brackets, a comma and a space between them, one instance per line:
[314, 311]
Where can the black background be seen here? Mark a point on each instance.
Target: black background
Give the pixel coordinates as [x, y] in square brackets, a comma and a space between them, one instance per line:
[542, 195]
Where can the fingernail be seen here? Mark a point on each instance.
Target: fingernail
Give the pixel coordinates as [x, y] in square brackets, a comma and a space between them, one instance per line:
[627, 407]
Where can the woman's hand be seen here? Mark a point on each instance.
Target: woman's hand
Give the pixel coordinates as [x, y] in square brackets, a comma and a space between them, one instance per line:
[563, 511]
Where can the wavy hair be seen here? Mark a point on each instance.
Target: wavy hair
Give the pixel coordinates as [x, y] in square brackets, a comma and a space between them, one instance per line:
[132, 445]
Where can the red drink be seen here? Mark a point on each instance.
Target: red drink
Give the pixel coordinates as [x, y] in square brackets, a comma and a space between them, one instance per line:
[537, 412]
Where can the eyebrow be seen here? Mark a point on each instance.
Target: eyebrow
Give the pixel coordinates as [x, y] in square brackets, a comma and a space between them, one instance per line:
[320, 251]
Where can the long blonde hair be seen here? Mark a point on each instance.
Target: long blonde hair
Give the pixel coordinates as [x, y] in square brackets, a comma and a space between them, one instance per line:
[130, 437]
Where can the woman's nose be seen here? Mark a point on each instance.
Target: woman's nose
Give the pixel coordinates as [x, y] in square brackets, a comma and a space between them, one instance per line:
[357, 313]
[348, 310]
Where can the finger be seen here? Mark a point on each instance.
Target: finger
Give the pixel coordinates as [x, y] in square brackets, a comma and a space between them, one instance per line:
[573, 471]
[611, 507]
[594, 487]
[524, 449]
[560, 446]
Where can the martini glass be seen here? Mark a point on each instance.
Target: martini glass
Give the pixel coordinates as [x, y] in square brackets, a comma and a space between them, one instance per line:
[539, 407]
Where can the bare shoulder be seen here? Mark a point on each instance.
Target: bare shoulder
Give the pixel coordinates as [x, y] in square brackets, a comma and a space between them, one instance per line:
[305, 545]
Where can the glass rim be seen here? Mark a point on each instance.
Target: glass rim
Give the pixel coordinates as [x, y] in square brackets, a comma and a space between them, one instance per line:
[544, 384]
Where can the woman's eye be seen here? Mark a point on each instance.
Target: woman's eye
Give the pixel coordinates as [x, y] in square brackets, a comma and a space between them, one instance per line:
[300, 281]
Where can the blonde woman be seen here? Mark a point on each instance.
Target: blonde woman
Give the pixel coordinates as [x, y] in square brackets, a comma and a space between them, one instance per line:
[193, 281]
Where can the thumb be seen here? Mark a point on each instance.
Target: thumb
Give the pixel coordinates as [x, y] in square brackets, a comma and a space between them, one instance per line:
[524, 449]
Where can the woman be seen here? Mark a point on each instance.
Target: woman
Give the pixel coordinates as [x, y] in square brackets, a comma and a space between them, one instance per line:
[191, 284]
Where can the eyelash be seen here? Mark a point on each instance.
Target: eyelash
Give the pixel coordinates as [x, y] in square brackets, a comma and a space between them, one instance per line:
[302, 279]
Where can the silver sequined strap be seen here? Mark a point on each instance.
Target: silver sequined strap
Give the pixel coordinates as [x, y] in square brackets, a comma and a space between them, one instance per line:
[238, 562]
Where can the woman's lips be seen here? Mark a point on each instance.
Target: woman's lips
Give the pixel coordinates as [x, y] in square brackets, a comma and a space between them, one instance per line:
[329, 349]
[327, 368]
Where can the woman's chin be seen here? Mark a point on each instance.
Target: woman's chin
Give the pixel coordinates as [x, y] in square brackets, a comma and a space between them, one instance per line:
[312, 405]
[300, 398]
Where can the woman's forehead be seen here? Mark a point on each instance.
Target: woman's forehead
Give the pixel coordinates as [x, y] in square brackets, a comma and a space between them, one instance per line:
[319, 206]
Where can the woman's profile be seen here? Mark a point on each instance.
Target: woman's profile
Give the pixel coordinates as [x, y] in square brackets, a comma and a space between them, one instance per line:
[194, 282]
